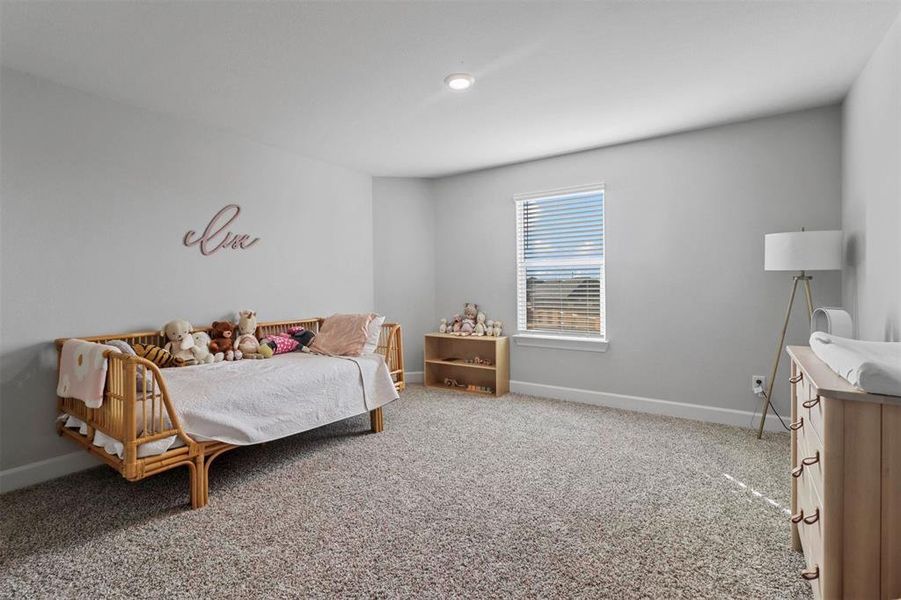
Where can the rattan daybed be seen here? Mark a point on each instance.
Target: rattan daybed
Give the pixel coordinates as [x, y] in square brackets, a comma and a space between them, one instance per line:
[138, 415]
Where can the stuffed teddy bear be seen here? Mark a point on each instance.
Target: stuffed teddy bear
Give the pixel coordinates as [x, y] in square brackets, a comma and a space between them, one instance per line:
[247, 341]
[180, 342]
[223, 334]
[201, 350]
[443, 327]
[498, 329]
[489, 328]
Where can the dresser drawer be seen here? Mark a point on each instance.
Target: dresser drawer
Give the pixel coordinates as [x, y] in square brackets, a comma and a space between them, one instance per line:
[810, 406]
[809, 520]
[809, 466]
[811, 534]
[813, 567]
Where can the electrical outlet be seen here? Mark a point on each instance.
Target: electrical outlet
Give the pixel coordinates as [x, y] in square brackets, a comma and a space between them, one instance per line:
[758, 383]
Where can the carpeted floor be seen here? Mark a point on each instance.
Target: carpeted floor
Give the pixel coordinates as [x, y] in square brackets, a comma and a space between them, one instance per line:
[459, 497]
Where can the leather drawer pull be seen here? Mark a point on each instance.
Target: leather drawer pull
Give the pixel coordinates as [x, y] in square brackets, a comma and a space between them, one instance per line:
[797, 424]
[797, 378]
[806, 462]
[810, 520]
[797, 518]
[810, 574]
[811, 403]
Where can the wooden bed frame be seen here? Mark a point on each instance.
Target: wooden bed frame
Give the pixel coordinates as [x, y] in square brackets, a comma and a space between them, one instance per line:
[124, 403]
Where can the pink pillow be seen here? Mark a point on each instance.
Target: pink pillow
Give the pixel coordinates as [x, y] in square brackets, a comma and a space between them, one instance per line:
[342, 335]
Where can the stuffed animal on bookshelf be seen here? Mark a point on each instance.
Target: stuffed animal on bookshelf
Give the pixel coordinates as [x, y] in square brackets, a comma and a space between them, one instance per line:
[470, 312]
[247, 341]
[480, 325]
[489, 328]
[201, 349]
[454, 325]
[180, 342]
[443, 327]
[223, 334]
[498, 329]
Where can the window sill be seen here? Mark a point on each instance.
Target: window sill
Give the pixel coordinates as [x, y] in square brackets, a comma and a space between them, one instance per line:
[560, 342]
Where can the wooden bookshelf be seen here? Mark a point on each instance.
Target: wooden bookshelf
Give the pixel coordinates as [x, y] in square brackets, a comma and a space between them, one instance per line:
[452, 357]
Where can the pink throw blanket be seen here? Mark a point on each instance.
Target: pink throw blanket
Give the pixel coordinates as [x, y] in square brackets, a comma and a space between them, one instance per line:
[82, 372]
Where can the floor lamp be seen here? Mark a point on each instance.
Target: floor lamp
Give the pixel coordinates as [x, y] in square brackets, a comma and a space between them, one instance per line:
[799, 251]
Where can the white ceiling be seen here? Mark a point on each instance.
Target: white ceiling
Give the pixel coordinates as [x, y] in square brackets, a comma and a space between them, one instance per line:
[360, 84]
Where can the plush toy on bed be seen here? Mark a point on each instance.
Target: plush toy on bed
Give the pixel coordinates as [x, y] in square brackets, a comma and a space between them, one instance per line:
[223, 334]
[180, 342]
[302, 336]
[247, 341]
[201, 350]
[280, 343]
[296, 339]
[157, 356]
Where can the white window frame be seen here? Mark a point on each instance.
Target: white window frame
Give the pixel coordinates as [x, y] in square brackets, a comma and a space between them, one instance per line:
[558, 340]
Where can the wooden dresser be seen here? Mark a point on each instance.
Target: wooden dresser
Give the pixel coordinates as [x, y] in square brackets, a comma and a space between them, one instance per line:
[846, 483]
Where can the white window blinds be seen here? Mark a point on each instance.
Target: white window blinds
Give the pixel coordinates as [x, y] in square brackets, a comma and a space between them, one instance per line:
[560, 262]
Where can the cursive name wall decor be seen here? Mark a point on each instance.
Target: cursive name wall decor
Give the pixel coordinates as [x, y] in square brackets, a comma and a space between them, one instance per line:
[215, 237]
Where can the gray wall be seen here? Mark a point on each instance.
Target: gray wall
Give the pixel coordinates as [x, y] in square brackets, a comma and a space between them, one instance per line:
[871, 198]
[96, 197]
[692, 314]
[404, 219]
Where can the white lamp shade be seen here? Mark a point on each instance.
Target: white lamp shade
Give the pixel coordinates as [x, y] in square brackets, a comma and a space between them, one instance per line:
[803, 251]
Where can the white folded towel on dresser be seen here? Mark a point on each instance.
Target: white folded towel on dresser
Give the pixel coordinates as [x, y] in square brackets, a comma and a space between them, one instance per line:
[874, 367]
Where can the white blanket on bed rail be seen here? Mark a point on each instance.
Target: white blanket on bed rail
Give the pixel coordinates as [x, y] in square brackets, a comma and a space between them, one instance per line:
[253, 401]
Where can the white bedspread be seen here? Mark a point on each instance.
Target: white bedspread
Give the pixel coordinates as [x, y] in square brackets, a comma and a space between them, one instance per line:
[874, 367]
[253, 401]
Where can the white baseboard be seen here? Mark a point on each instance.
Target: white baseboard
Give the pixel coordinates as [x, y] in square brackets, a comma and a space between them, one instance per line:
[697, 412]
[45, 470]
[413, 376]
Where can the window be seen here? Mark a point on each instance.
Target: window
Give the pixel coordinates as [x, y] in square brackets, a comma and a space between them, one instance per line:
[560, 263]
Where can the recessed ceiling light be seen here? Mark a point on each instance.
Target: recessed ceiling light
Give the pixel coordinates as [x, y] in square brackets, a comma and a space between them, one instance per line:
[459, 81]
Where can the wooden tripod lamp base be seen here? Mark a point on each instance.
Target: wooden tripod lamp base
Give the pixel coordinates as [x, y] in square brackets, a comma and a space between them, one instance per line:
[806, 279]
